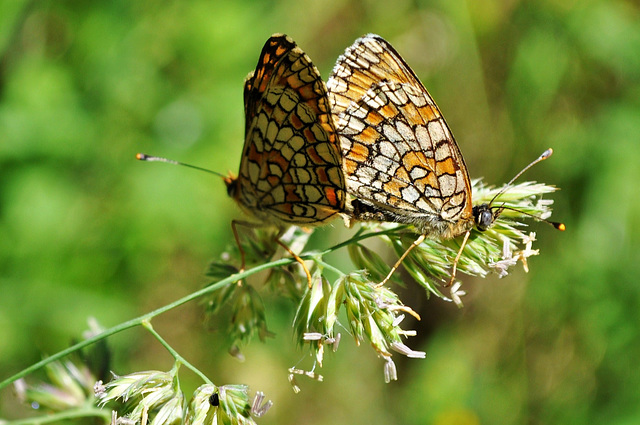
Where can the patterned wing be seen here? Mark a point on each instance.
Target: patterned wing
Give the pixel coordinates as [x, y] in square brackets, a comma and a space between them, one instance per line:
[291, 166]
[401, 161]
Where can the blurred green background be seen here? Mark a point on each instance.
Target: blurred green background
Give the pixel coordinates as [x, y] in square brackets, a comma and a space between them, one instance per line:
[85, 230]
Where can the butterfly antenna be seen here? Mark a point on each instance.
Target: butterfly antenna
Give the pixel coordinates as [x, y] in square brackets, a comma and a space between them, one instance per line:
[546, 154]
[151, 158]
[555, 224]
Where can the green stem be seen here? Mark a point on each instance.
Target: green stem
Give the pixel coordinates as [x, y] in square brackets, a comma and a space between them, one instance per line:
[359, 237]
[146, 317]
[211, 288]
[83, 412]
[147, 325]
[328, 266]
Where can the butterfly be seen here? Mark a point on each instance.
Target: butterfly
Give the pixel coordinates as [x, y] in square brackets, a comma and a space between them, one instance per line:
[401, 161]
[291, 164]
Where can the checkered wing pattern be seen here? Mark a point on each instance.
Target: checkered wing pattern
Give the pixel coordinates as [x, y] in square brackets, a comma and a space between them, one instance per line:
[401, 161]
[291, 166]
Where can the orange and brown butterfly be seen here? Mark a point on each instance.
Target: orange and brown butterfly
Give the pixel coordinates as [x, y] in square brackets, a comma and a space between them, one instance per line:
[401, 161]
[291, 164]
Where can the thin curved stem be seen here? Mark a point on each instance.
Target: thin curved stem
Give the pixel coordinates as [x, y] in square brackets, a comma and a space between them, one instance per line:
[147, 325]
[359, 237]
[328, 266]
[211, 288]
[82, 412]
[148, 316]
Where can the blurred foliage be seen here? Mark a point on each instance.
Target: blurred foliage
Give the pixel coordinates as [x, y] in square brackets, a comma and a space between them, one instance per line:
[85, 230]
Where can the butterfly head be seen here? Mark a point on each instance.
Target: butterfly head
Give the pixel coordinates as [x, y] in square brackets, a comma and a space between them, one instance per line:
[232, 185]
[484, 216]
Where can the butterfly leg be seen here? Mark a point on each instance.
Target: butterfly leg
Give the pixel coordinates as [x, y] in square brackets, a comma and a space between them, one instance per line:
[234, 228]
[298, 259]
[250, 225]
[455, 261]
[415, 243]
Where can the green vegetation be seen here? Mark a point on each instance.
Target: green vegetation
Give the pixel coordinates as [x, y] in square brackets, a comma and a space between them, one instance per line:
[87, 231]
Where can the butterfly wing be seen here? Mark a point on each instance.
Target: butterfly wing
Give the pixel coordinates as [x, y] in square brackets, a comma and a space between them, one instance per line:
[401, 161]
[291, 167]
